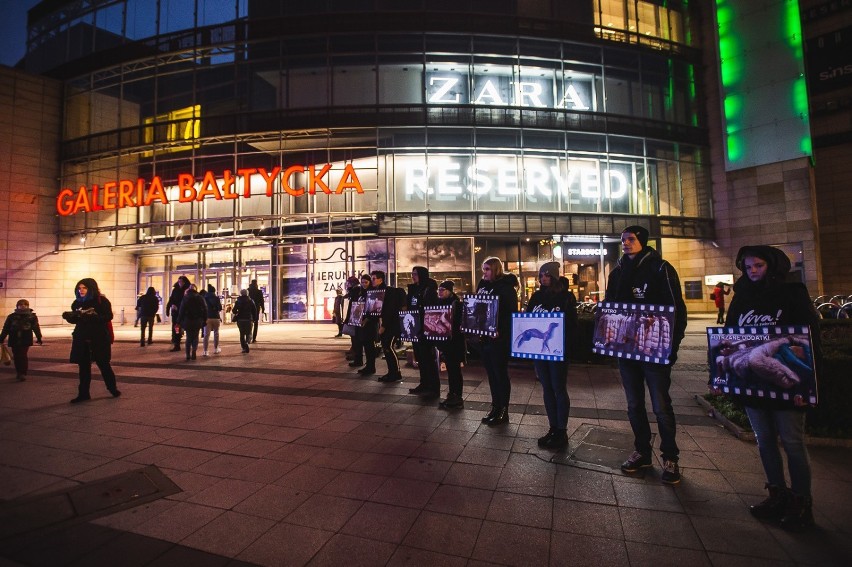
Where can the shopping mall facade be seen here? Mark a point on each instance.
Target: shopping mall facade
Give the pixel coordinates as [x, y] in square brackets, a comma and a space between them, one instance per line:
[297, 143]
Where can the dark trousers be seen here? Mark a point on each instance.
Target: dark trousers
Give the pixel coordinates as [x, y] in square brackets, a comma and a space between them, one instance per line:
[86, 375]
[255, 325]
[387, 341]
[192, 334]
[495, 358]
[22, 361]
[244, 327]
[427, 365]
[720, 319]
[367, 336]
[553, 376]
[634, 376]
[177, 331]
[453, 358]
[149, 323]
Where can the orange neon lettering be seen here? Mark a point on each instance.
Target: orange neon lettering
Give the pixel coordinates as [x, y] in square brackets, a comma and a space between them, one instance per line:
[209, 187]
[349, 180]
[269, 178]
[245, 173]
[285, 181]
[228, 182]
[315, 179]
[125, 194]
[82, 201]
[186, 188]
[156, 192]
[95, 194]
[109, 195]
[64, 206]
[140, 190]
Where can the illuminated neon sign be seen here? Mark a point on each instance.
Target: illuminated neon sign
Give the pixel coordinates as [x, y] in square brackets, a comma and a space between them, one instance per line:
[142, 193]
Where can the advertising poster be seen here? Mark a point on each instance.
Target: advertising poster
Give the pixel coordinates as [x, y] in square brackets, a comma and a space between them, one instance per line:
[775, 363]
[480, 314]
[438, 322]
[539, 336]
[375, 300]
[409, 326]
[356, 315]
[634, 331]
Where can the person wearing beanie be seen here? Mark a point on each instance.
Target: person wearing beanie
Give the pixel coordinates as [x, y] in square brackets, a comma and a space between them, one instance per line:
[388, 324]
[553, 296]
[497, 350]
[20, 326]
[214, 320]
[763, 298]
[642, 276]
[453, 349]
[422, 292]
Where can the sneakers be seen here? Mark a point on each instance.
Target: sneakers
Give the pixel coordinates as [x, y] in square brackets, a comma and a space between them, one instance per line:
[21, 377]
[635, 462]
[204, 353]
[671, 472]
[217, 351]
[775, 505]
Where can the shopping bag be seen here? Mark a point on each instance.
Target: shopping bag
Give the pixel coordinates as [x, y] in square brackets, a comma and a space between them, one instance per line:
[5, 355]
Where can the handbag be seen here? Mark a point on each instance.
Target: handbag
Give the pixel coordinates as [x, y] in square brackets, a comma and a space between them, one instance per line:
[5, 355]
[350, 329]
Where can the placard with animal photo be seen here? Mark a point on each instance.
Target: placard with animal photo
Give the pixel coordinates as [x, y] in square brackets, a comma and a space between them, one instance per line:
[356, 314]
[634, 331]
[409, 326]
[539, 336]
[438, 322]
[480, 314]
[775, 363]
[375, 300]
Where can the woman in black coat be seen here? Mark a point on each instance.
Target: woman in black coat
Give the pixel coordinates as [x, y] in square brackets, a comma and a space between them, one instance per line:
[91, 341]
[452, 349]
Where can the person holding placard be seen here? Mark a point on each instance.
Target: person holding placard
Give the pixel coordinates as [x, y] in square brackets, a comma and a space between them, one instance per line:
[388, 325]
[554, 296]
[643, 277]
[453, 349]
[762, 298]
[497, 350]
[422, 292]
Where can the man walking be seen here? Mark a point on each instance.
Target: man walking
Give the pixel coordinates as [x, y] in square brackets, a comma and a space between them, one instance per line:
[642, 276]
[256, 295]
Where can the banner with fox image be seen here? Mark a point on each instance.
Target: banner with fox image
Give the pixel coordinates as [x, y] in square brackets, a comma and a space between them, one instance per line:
[634, 331]
[539, 336]
[775, 363]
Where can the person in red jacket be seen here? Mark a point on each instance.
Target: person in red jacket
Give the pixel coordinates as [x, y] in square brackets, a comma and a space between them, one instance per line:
[718, 295]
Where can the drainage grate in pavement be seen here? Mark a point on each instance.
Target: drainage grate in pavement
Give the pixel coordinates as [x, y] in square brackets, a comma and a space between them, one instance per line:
[84, 502]
[598, 448]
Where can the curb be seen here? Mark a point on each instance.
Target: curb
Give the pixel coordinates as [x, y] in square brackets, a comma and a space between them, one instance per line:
[738, 431]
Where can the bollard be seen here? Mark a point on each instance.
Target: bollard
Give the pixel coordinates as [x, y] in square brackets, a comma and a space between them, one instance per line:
[122, 316]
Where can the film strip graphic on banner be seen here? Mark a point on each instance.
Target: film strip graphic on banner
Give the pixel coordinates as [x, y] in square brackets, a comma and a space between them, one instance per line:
[538, 336]
[634, 331]
[480, 314]
[375, 300]
[774, 363]
[410, 327]
[438, 322]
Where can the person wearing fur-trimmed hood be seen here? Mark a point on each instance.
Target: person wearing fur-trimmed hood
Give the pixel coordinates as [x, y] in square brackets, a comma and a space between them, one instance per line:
[91, 341]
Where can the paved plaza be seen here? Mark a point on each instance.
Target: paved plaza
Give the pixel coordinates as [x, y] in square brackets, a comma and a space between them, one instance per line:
[286, 456]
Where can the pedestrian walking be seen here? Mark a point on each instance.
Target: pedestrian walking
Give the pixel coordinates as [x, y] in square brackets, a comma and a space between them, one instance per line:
[173, 308]
[337, 312]
[91, 340]
[718, 297]
[20, 326]
[763, 297]
[192, 317]
[214, 320]
[244, 313]
[256, 295]
[642, 276]
[148, 305]
[554, 296]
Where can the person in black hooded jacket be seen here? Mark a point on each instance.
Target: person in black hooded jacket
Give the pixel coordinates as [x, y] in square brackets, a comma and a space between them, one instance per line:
[148, 304]
[554, 296]
[763, 298]
[453, 349]
[91, 341]
[388, 325]
[642, 276]
[173, 308]
[496, 350]
[423, 292]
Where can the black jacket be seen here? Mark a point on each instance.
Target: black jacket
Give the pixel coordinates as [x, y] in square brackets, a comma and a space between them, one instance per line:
[19, 327]
[647, 279]
[456, 345]
[178, 291]
[391, 307]
[256, 295]
[92, 316]
[564, 301]
[507, 302]
[193, 311]
[148, 304]
[244, 309]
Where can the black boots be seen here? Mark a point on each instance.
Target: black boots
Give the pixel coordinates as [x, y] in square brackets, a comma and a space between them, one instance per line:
[497, 416]
[453, 401]
[775, 505]
[555, 439]
[799, 514]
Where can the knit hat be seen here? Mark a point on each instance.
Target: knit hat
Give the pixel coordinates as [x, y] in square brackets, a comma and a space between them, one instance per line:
[447, 284]
[641, 233]
[551, 269]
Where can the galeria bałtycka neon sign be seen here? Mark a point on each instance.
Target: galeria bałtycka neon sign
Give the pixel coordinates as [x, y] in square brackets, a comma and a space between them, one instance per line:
[143, 193]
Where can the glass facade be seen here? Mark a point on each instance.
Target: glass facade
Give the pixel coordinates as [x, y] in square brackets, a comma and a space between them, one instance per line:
[219, 124]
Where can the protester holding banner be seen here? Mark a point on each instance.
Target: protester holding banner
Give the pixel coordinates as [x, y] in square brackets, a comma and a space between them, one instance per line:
[453, 349]
[422, 292]
[365, 339]
[496, 350]
[353, 294]
[389, 324]
[643, 277]
[762, 298]
[555, 296]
